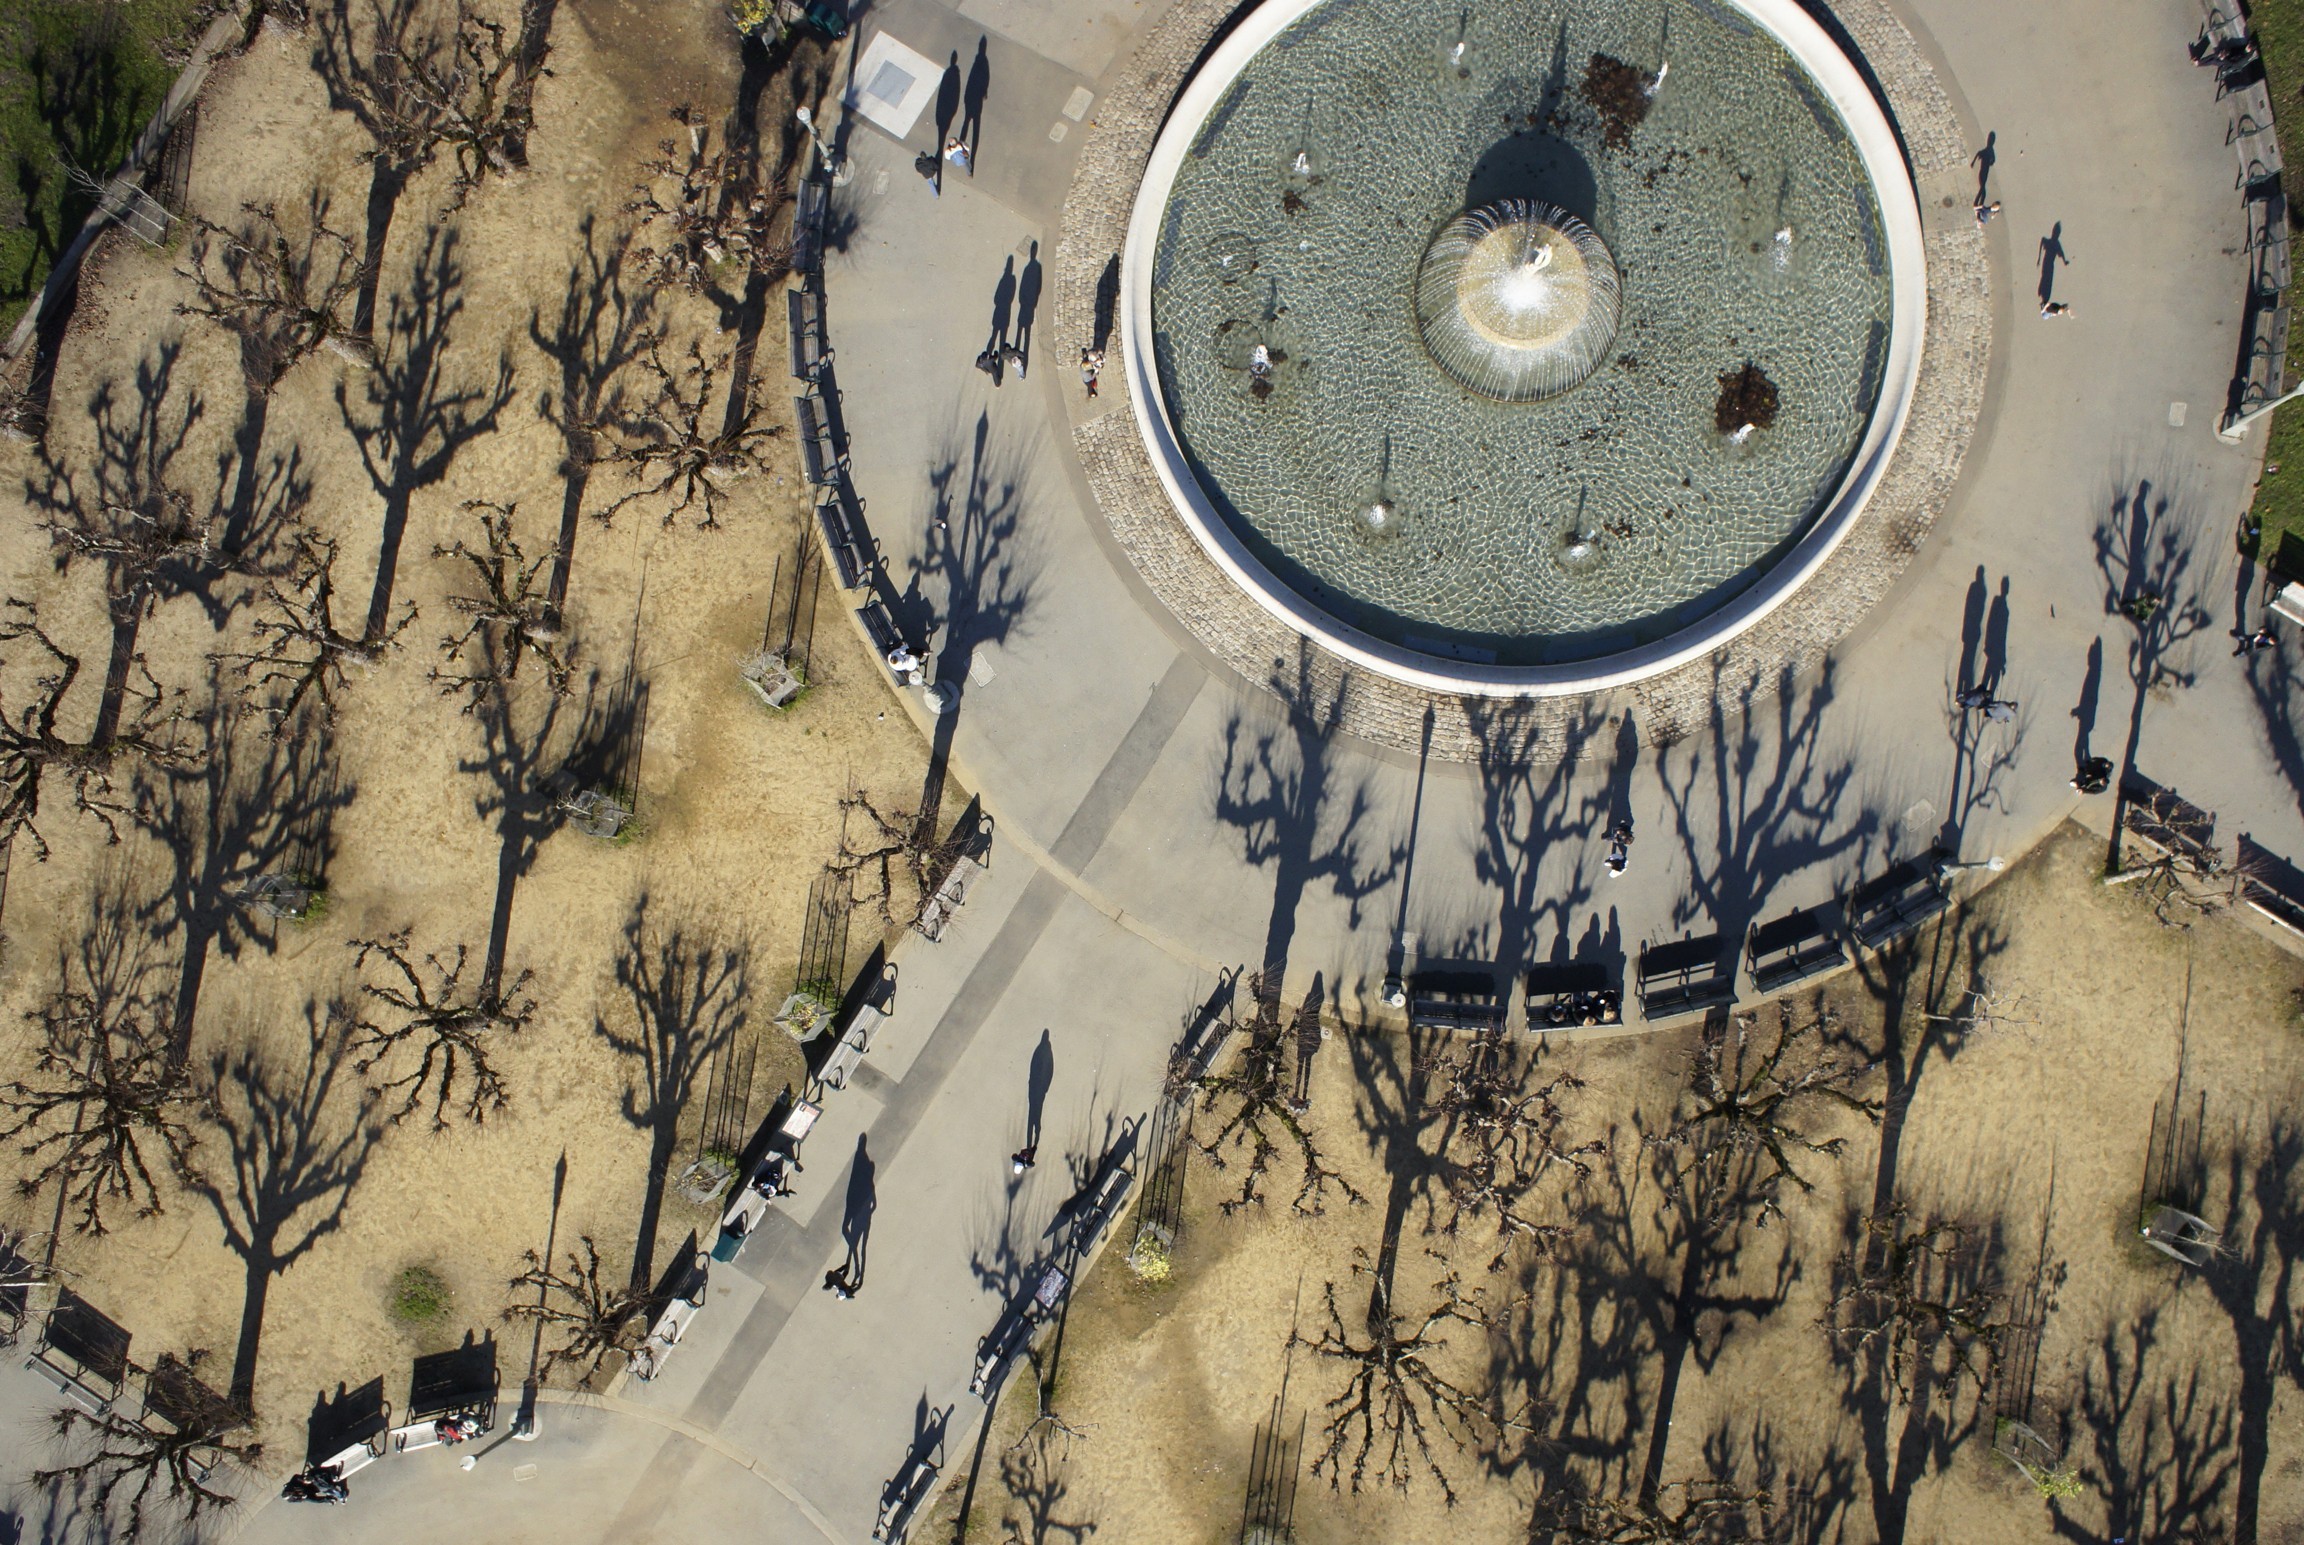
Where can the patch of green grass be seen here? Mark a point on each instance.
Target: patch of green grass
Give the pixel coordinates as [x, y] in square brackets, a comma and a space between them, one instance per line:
[419, 1296]
[78, 81]
[2278, 515]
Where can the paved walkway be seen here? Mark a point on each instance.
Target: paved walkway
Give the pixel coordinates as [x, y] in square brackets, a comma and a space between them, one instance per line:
[1159, 819]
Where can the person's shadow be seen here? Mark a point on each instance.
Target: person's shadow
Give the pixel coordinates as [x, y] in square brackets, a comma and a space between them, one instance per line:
[1996, 640]
[1983, 160]
[947, 109]
[2084, 714]
[979, 87]
[1036, 1088]
[1028, 303]
[856, 1216]
[2051, 253]
[1003, 304]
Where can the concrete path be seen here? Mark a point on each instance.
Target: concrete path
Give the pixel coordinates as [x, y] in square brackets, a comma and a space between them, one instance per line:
[1159, 819]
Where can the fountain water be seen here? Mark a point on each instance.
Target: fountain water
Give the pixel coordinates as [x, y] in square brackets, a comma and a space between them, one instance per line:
[1517, 300]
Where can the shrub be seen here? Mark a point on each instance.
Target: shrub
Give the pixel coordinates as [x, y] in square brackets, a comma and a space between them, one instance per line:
[419, 1296]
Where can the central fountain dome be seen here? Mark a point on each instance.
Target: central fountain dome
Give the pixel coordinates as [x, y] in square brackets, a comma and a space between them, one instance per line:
[1517, 300]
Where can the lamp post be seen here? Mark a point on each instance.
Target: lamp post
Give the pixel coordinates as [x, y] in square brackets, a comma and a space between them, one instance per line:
[1947, 868]
[841, 171]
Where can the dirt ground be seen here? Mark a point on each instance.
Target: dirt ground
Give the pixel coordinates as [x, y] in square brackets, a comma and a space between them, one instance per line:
[2168, 1390]
[647, 954]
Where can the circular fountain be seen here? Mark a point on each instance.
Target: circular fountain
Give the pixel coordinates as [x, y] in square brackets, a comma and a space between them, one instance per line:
[1517, 300]
[1499, 352]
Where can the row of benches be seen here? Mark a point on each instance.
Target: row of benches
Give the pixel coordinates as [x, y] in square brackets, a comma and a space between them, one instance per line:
[1687, 976]
[2240, 81]
[823, 437]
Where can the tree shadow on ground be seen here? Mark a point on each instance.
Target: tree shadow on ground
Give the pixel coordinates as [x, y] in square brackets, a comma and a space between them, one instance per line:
[687, 992]
[1277, 788]
[418, 418]
[2162, 1437]
[2144, 556]
[520, 744]
[297, 1132]
[251, 804]
[1757, 802]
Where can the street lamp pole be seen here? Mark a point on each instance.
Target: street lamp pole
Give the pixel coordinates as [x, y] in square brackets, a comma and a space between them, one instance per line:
[840, 169]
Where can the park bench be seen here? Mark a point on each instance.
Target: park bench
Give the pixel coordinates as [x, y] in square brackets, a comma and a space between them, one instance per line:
[1102, 1206]
[82, 1352]
[856, 1038]
[903, 1498]
[2288, 602]
[820, 454]
[1445, 998]
[881, 629]
[840, 518]
[1567, 993]
[815, 206]
[451, 1398]
[672, 1321]
[1685, 976]
[1884, 910]
[176, 1402]
[811, 346]
[769, 1179]
[2271, 886]
[1795, 947]
[348, 1434]
[969, 859]
[2169, 825]
[1014, 1331]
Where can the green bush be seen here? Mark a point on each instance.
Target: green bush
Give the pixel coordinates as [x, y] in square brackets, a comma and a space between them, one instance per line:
[419, 1296]
[78, 82]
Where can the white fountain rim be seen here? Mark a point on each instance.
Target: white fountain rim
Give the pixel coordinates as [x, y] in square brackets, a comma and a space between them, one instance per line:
[1883, 158]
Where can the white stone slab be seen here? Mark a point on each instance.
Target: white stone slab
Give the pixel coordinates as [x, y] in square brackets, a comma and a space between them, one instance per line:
[893, 85]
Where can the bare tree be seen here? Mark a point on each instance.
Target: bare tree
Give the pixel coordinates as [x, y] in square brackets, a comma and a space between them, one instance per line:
[30, 747]
[282, 297]
[1911, 1294]
[891, 851]
[1758, 1090]
[597, 1319]
[715, 214]
[1504, 1140]
[1984, 1010]
[1260, 1113]
[514, 607]
[162, 1473]
[1680, 1513]
[686, 446]
[1396, 1400]
[300, 648]
[470, 87]
[455, 1032]
[105, 1105]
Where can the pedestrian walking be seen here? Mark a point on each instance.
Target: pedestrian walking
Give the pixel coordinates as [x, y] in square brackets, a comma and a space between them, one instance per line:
[2249, 643]
[989, 363]
[1015, 358]
[1619, 848]
[1091, 366]
[1985, 212]
[837, 1284]
[2094, 775]
[956, 152]
[1021, 1159]
[2054, 309]
[926, 164]
[1999, 712]
[1974, 697]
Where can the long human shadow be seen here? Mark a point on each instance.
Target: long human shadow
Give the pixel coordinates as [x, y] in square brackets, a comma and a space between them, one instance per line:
[1983, 752]
[686, 993]
[602, 328]
[1277, 788]
[1759, 800]
[2144, 556]
[418, 417]
[298, 1129]
[2162, 1435]
[250, 804]
[972, 584]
